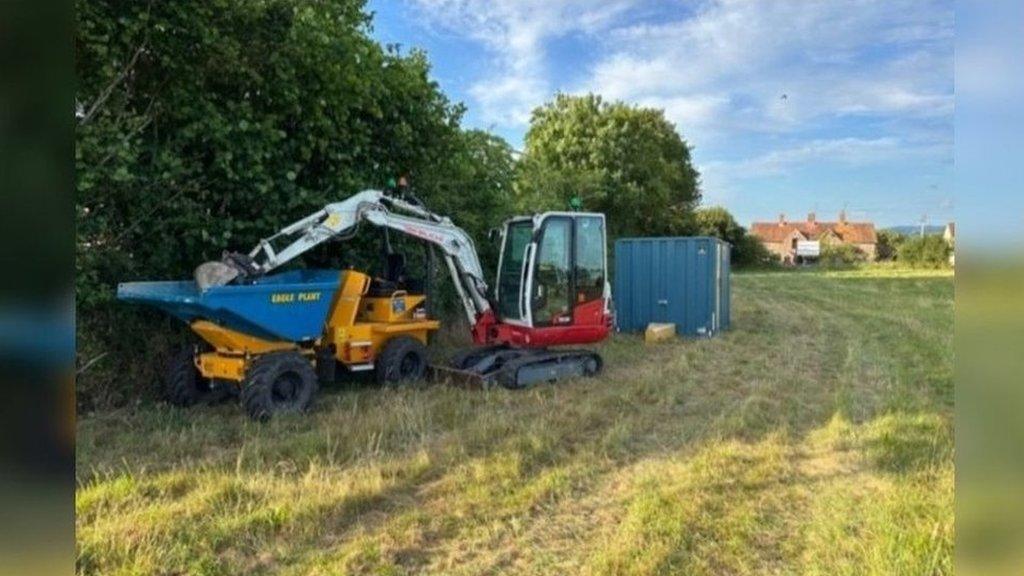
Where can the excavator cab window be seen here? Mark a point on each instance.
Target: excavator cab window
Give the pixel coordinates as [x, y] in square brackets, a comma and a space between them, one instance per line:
[549, 299]
[590, 273]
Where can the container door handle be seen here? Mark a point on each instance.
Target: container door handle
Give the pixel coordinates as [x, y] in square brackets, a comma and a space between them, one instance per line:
[663, 302]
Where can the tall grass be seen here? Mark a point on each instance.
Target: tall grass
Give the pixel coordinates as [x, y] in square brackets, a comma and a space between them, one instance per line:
[815, 437]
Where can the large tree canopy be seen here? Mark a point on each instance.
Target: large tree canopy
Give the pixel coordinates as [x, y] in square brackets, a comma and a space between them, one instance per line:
[204, 125]
[622, 160]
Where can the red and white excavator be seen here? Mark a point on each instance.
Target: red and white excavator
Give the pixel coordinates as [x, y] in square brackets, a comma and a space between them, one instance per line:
[551, 288]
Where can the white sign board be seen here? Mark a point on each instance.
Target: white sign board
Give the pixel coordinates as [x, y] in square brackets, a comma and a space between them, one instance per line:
[808, 248]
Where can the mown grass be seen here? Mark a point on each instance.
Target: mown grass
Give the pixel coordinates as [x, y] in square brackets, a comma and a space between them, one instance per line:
[815, 437]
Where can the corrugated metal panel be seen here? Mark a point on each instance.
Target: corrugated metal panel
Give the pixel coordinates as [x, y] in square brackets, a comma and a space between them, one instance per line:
[680, 280]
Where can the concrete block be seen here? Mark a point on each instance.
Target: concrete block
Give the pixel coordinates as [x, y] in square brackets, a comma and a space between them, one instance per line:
[656, 332]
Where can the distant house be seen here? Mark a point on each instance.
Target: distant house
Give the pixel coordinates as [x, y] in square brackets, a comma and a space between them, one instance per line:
[949, 235]
[782, 237]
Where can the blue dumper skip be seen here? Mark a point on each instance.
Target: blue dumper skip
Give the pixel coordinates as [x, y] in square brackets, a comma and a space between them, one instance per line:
[289, 306]
[680, 280]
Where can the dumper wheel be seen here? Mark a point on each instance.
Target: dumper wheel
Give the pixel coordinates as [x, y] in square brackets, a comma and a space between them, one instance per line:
[184, 386]
[404, 359]
[277, 383]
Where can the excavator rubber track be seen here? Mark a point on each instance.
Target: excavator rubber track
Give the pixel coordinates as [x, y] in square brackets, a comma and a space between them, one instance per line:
[517, 368]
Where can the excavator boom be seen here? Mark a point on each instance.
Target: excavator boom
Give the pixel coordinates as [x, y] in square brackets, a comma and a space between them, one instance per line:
[342, 220]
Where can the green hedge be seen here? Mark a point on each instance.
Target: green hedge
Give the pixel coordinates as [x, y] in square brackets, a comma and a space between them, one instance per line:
[838, 255]
[931, 251]
[204, 125]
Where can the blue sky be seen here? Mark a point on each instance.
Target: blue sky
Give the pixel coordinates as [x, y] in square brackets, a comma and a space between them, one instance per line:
[790, 107]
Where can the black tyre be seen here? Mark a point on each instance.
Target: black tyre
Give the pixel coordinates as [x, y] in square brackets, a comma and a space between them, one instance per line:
[404, 359]
[281, 382]
[184, 386]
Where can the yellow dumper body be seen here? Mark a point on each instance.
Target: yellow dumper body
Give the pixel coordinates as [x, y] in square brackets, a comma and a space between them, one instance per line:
[355, 331]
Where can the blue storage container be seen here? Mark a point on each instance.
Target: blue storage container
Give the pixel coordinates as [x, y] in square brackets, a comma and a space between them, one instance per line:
[680, 280]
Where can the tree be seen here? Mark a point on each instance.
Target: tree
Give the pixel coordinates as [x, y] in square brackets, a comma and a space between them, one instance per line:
[626, 161]
[889, 242]
[930, 251]
[718, 222]
[839, 255]
[474, 185]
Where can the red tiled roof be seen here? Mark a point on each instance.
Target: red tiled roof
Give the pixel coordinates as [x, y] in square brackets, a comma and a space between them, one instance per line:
[852, 232]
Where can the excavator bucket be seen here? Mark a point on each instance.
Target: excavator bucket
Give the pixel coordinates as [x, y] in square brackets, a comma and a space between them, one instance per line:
[215, 273]
[441, 374]
[231, 266]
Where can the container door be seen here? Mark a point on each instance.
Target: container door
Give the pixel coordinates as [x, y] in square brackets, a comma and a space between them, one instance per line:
[632, 307]
[716, 320]
[727, 289]
[668, 276]
[701, 306]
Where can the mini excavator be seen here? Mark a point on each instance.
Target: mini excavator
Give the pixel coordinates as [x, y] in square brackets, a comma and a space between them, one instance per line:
[270, 337]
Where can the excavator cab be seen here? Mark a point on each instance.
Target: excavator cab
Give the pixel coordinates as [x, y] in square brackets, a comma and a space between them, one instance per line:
[552, 283]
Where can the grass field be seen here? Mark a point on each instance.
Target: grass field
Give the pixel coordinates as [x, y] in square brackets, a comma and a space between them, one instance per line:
[813, 438]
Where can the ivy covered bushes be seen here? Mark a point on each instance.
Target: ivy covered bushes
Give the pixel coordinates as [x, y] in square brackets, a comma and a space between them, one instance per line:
[203, 125]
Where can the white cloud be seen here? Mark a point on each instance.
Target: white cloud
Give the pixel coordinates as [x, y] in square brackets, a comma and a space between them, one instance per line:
[515, 32]
[508, 100]
[786, 66]
[846, 151]
[758, 87]
[721, 178]
[689, 111]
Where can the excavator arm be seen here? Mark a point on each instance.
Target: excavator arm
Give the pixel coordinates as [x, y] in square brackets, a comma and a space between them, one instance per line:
[341, 220]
